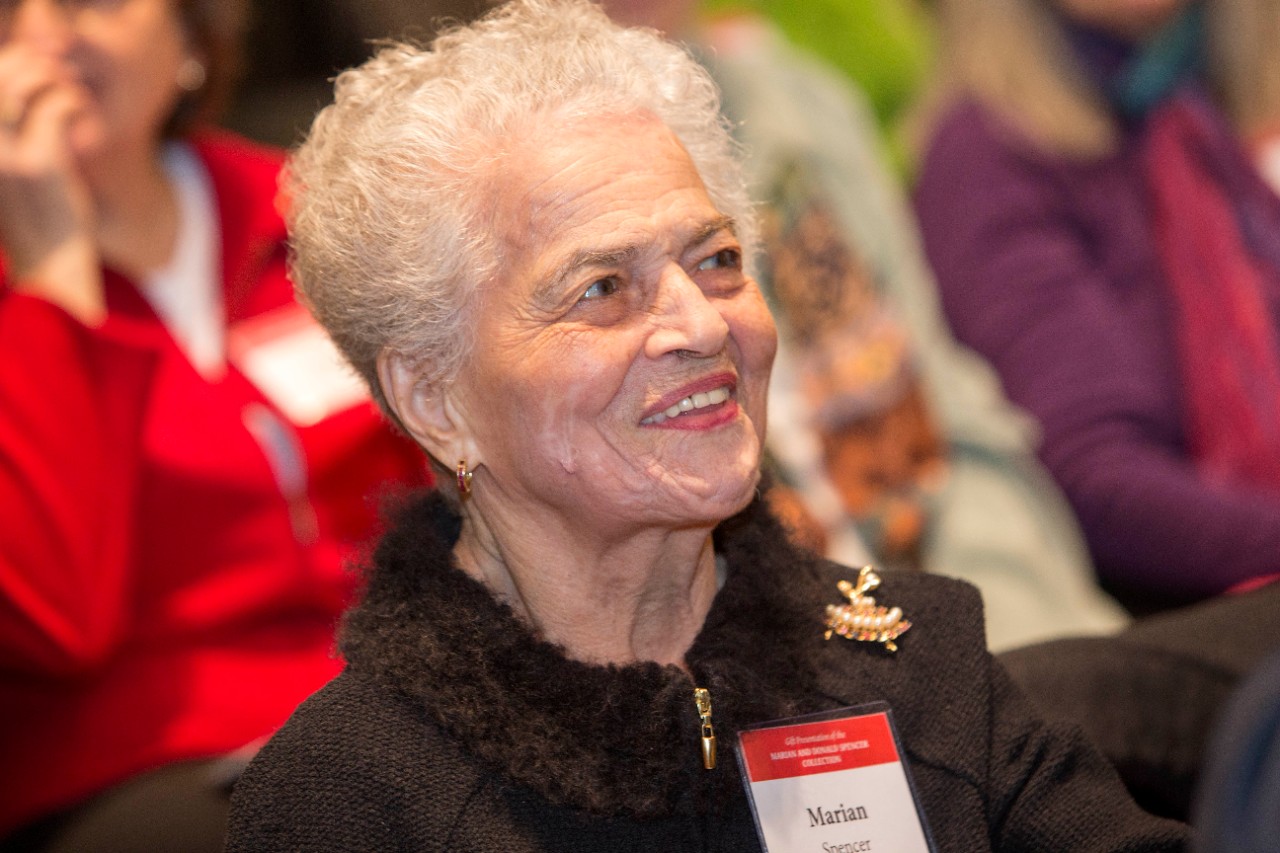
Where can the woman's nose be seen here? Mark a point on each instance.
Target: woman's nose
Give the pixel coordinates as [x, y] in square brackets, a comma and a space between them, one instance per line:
[687, 321]
[42, 24]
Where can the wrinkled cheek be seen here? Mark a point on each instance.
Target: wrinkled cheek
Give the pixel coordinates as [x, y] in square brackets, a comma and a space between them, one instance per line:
[560, 392]
[759, 366]
[550, 422]
[767, 333]
[750, 459]
[757, 338]
[728, 480]
[737, 486]
[565, 410]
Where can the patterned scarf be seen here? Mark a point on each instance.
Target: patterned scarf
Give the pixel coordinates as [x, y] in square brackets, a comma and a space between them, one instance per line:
[1217, 233]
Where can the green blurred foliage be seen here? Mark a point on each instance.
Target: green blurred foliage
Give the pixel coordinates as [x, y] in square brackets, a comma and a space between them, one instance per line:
[884, 45]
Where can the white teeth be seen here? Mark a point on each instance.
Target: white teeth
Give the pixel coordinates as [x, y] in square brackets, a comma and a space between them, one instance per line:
[697, 401]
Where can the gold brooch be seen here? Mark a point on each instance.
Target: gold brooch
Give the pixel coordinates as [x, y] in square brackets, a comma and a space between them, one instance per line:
[861, 619]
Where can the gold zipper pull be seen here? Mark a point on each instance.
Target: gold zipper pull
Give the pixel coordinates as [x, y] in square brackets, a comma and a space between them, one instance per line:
[702, 698]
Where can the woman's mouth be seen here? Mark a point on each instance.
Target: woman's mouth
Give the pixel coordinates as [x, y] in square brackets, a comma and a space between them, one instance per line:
[692, 403]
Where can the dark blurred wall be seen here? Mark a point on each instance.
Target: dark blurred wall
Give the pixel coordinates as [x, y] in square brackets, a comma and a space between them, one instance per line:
[295, 47]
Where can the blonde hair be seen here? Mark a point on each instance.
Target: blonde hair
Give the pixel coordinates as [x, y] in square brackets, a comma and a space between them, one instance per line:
[388, 217]
[1012, 56]
[1244, 39]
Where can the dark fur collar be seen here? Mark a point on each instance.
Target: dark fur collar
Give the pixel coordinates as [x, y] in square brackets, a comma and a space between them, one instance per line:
[611, 740]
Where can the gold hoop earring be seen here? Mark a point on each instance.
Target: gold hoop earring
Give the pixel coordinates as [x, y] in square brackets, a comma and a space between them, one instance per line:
[464, 478]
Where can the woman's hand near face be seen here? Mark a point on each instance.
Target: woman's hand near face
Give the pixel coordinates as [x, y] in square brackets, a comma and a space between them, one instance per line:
[46, 215]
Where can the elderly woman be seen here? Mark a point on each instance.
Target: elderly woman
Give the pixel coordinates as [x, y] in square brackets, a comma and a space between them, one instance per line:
[532, 240]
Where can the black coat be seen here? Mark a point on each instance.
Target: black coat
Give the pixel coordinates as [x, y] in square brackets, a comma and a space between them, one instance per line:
[454, 728]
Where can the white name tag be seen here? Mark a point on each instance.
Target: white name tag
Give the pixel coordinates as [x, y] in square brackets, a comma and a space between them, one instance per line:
[832, 783]
[295, 365]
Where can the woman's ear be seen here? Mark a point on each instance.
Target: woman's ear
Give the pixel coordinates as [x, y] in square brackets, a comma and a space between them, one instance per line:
[426, 410]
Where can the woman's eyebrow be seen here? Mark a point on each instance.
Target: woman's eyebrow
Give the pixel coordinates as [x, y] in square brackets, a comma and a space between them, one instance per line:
[710, 229]
[581, 259]
[548, 289]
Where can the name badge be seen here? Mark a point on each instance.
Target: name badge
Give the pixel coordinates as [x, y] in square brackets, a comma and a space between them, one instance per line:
[832, 783]
[295, 365]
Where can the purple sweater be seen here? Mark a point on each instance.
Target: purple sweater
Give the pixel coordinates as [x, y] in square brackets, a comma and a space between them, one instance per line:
[1048, 268]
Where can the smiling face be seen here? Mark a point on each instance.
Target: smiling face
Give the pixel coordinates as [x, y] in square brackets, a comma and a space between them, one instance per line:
[125, 54]
[622, 359]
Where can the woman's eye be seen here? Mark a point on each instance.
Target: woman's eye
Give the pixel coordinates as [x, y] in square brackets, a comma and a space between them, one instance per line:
[601, 287]
[731, 258]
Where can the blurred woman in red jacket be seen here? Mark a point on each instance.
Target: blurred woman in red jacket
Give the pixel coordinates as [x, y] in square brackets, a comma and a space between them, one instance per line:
[185, 464]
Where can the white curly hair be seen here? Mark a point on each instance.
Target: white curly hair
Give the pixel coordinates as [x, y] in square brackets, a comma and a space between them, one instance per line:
[390, 234]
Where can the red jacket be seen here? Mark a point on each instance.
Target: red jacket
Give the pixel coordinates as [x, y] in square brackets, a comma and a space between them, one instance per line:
[171, 549]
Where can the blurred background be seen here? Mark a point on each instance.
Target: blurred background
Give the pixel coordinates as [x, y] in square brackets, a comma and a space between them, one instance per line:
[295, 46]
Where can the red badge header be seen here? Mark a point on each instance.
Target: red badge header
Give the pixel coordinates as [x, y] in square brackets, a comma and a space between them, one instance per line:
[783, 752]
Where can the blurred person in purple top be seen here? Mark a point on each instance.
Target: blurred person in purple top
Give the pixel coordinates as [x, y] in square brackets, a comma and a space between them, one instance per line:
[1098, 196]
